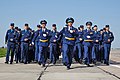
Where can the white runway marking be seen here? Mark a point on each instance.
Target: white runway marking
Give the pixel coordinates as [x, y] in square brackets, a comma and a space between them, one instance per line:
[118, 66]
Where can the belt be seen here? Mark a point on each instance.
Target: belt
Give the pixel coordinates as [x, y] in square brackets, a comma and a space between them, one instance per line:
[43, 40]
[88, 40]
[69, 38]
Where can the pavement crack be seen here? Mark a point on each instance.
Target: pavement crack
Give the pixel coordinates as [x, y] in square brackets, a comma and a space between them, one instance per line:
[109, 73]
[42, 72]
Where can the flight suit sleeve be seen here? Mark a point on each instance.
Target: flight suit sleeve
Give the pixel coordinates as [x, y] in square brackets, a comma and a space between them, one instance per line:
[35, 36]
[84, 35]
[50, 34]
[58, 39]
[30, 37]
[76, 33]
[94, 39]
[112, 37]
[6, 37]
[20, 36]
[16, 37]
[61, 35]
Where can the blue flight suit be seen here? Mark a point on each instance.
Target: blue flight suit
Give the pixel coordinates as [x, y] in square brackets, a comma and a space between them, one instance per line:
[43, 42]
[88, 44]
[95, 49]
[78, 49]
[31, 52]
[25, 34]
[107, 45]
[68, 42]
[54, 37]
[10, 39]
[101, 49]
[35, 40]
[18, 51]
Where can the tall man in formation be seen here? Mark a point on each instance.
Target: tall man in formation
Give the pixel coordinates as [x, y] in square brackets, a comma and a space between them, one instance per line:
[69, 34]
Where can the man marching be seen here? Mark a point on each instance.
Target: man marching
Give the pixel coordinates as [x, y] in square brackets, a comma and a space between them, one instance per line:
[10, 40]
[78, 49]
[43, 42]
[107, 38]
[96, 42]
[88, 39]
[25, 40]
[35, 40]
[53, 44]
[68, 36]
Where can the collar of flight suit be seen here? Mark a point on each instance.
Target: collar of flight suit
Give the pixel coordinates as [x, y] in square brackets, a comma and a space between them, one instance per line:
[69, 27]
[43, 29]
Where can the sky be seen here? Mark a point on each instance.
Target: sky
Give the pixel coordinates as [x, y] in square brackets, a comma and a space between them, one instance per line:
[100, 12]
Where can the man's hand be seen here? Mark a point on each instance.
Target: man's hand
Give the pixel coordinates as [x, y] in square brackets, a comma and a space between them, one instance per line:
[80, 39]
[60, 46]
[96, 40]
[71, 31]
[88, 36]
[32, 43]
[44, 35]
[108, 40]
[11, 39]
[49, 46]
[26, 39]
[54, 40]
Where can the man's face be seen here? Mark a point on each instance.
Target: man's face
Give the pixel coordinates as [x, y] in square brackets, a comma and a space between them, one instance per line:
[101, 32]
[39, 28]
[25, 27]
[95, 28]
[43, 25]
[88, 26]
[11, 27]
[107, 28]
[81, 29]
[54, 28]
[70, 24]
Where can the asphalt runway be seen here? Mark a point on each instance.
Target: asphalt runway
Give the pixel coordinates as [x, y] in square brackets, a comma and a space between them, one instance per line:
[58, 72]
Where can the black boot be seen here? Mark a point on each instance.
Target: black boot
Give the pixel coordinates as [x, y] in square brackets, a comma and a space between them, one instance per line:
[11, 62]
[68, 67]
[39, 63]
[43, 65]
[6, 62]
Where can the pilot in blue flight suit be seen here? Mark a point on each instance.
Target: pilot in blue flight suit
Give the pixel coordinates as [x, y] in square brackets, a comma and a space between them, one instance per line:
[101, 48]
[17, 50]
[78, 49]
[31, 51]
[35, 39]
[69, 34]
[53, 44]
[107, 38]
[88, 39]
[96, 42]
[43, 42]
[10, 40]
[25, 40]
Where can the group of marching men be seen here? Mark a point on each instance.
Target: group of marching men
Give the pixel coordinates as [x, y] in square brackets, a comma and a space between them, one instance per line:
[84, 45]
